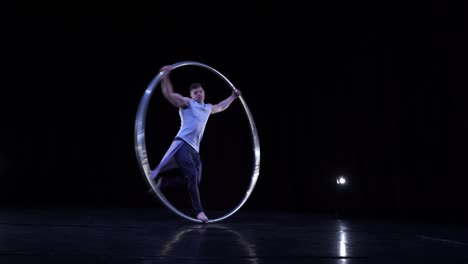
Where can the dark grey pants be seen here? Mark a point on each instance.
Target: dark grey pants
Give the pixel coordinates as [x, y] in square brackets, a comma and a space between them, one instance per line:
[189, 162]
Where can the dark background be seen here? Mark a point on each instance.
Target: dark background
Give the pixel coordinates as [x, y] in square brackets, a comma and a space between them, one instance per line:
[375, 93]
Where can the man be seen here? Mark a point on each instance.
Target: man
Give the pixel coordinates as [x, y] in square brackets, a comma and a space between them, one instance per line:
[184, 151]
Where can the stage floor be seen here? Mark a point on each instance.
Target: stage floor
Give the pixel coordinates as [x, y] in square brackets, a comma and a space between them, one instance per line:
[156, 235]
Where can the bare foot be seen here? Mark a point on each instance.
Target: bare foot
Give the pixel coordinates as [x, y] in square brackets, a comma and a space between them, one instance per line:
[201, 216]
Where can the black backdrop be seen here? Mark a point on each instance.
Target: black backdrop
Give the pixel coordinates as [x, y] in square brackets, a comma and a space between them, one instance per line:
[376, 93]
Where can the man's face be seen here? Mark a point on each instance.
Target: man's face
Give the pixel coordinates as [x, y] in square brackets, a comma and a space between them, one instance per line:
[198, 94]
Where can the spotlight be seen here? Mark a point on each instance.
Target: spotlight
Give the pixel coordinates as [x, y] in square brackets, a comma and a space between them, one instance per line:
[340, 180]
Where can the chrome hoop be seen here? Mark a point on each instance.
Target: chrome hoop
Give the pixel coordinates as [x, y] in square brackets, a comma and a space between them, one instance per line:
[140, 143]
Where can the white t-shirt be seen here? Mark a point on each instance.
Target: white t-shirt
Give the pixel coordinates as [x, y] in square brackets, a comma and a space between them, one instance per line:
[193, 122]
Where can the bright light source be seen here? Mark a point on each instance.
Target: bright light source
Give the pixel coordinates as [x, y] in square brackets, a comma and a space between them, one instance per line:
[340, 180]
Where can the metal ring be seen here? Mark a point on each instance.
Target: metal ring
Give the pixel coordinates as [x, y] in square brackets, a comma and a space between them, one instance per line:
[140, 143]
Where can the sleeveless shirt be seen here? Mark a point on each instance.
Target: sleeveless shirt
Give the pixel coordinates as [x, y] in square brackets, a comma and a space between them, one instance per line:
[193, 122]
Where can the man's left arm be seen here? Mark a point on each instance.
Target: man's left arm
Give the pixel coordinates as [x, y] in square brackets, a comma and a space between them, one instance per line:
[223, 105]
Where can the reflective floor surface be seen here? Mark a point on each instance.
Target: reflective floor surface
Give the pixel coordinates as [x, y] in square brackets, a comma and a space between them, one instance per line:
[155, 235]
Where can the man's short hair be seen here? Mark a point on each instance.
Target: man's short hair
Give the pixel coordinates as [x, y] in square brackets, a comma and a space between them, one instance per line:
[194, 85]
